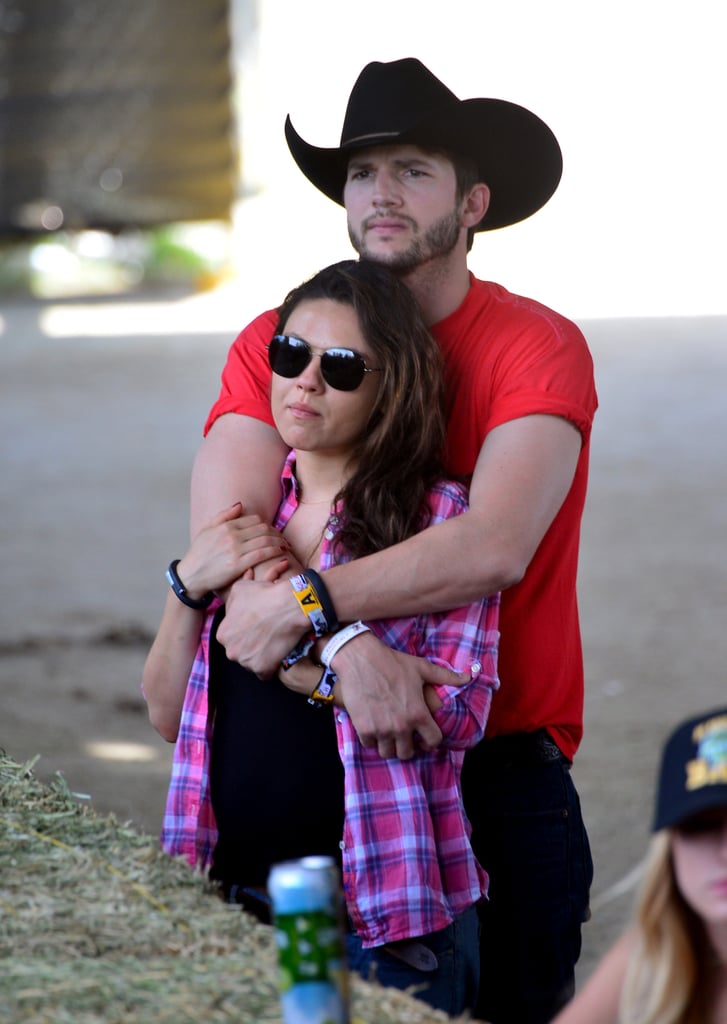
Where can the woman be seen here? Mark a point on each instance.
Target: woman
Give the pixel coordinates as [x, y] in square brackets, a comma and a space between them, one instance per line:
[357, 394]
[670, 967]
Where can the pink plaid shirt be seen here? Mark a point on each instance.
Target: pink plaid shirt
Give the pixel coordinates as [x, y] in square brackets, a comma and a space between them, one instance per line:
[408, 867]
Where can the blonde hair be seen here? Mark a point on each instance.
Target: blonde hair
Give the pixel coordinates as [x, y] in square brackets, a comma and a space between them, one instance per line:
[666, 979]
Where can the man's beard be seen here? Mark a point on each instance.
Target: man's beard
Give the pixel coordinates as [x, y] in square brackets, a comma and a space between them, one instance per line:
[437, 242]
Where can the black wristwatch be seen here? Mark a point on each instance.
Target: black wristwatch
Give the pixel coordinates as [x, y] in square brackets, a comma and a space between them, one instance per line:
[181, 591]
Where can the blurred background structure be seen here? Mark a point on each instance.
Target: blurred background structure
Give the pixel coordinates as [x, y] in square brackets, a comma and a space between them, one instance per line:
[115, 115]
[117, 125]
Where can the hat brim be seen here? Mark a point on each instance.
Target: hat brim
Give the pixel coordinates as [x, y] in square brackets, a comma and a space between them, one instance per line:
[516, 153]
[672, 814]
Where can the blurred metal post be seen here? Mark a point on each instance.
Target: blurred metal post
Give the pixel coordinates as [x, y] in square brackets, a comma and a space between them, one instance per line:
[115, 115]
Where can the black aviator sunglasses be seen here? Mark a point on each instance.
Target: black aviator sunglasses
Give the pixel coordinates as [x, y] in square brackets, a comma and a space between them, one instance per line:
[342, 368]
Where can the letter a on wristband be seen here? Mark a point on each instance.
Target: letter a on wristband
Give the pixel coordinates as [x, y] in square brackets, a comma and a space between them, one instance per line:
[307, 598]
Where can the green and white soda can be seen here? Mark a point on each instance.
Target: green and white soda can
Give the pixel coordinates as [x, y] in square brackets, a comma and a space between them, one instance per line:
[308, 918]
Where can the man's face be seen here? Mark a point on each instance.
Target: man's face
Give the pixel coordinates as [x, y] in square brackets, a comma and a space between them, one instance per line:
[402, 206]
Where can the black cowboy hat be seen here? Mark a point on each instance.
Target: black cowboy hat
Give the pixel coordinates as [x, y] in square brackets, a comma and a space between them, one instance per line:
[403, 102]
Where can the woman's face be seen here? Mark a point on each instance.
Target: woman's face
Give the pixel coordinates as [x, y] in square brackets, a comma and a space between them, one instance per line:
[699, 855]
[309, 413]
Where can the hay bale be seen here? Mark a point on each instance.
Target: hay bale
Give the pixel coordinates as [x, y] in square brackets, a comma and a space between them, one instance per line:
[98, 926]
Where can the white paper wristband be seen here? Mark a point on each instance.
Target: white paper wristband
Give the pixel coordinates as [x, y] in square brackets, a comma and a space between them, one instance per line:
[340, 638]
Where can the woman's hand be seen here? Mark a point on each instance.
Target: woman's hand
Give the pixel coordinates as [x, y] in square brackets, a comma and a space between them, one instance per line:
[226, 548]
[302, 677]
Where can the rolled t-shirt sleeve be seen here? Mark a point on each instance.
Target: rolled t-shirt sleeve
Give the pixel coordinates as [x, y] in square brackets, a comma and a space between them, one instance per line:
[549, 372]
[245, 385]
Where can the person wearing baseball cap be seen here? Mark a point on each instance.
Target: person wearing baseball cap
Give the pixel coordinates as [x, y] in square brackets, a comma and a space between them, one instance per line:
[671, 964]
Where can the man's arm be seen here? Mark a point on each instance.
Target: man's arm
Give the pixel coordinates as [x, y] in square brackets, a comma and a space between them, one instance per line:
[240, 459]
[524, 471]
[522, 476]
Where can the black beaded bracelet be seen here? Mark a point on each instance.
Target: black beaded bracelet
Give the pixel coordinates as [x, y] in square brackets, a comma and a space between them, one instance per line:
[181, 591]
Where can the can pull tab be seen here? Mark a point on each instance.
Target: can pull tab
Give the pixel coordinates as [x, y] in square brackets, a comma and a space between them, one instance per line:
[413, 953]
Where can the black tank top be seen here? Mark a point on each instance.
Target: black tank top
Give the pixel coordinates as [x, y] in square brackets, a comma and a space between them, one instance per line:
[275, 775]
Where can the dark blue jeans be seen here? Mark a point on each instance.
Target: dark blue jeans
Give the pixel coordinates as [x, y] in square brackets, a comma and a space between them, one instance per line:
[529, 835]
[451, 987]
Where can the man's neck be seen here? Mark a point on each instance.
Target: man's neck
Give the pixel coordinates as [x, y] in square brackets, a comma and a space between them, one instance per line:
[439, 288]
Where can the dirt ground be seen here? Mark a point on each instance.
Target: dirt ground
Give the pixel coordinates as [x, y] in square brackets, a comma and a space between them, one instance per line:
[99, 427]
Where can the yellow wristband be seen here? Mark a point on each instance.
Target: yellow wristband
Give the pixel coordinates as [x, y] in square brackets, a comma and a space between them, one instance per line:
[323, 693]
[307, 598]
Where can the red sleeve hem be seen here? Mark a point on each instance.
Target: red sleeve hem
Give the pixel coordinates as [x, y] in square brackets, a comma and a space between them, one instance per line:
[540, 403]
[240, 406]
[245, 387]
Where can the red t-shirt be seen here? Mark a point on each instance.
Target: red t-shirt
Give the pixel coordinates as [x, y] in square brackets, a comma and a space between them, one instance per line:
[506, 357]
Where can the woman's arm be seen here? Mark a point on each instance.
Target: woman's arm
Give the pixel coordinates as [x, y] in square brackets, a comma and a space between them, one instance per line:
[462, 721]
[168, 664]
[304, 676]
[225, 549]
[465, 639]
[523, 474]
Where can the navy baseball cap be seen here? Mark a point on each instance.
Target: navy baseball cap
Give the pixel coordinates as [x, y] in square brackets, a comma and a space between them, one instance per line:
[693, 774]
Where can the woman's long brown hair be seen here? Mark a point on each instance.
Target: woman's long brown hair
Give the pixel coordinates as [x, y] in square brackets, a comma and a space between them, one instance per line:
[399, 454]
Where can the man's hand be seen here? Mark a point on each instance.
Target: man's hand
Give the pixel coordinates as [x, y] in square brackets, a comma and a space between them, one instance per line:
[263, 622]
[383, 692]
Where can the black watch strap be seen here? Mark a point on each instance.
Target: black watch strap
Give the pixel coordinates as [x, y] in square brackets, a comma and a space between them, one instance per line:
[181, 591]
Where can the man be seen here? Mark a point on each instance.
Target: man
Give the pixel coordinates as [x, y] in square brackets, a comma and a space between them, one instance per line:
[419, 172]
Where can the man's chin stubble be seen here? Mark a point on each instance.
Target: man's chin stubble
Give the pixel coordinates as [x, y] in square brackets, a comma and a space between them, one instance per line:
[398, 263]
[439, 242]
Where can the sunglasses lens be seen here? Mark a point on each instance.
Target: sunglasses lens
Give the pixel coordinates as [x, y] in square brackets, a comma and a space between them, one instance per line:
[342, 369]
[287, 356]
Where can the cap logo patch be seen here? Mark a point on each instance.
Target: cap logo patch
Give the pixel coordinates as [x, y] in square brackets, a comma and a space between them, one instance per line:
[710, 765]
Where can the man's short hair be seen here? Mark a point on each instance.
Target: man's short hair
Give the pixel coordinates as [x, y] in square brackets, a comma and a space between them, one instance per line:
[467, 175]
